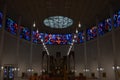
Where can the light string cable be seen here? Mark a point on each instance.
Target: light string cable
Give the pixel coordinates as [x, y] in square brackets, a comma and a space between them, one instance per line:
[42, 41]
[45, 47]
[75, 35]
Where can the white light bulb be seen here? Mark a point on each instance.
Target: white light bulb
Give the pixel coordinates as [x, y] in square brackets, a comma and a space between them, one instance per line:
[76, 31]
[118, 67]
[2, 67]
[18, 69]
[15, 69]
[101, 69]
[37, 31]
[32, 70]
[113, 67]
[43, 44]
[71, 43]
[79, 25]
[34, 24]
[41, 40]
[73, 40]
[86, 70]
[75, 36]
[97, 69]
[43, 70]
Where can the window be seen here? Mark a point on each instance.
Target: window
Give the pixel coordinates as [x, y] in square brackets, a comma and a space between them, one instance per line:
[81, 37]
[91, 33]
[58, 22]
[115, 20]
[11, 26]
[101, 29]
[118, 19]
[108, 25]
[25, 33]
[37, 37]
[58, 39]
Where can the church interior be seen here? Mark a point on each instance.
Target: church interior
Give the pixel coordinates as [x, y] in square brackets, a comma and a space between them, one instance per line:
[59, 39]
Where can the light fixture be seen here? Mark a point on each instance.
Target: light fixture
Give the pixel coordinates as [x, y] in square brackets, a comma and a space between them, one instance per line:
[15, 69]
[86, 70]
[79, 25]
[73, 70]
[37, 31]
[2, 67]
[75, 36]
[100, 69]
[41, 40]
[18, 69]
[76, 31]
[72, 44]
[45, 47]
[34, 24]
[30, 70]
[113, 67]
[43, 70]
[117, 67]
[73, 40]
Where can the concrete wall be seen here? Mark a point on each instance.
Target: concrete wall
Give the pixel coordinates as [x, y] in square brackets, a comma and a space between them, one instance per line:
[106, 51]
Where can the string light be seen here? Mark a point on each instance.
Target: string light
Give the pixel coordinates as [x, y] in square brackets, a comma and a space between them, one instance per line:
[75, 36]
[71, 43]
[41, 40]
[70, 47]
[45, 46]
[73, 40]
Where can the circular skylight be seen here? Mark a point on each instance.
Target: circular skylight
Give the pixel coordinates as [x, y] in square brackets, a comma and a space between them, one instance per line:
[58, 22]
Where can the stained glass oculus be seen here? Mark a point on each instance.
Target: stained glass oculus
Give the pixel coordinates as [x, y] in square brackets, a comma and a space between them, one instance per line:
[58, 22]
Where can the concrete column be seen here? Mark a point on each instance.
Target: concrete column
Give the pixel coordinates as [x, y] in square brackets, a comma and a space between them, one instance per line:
[98, 52]
[114, 46]
[85, 55]
[18, 47]
[2, 38]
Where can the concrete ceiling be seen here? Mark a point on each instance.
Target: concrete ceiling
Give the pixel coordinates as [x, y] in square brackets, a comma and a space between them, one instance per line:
[85, 11]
